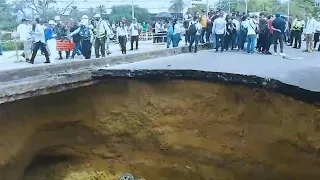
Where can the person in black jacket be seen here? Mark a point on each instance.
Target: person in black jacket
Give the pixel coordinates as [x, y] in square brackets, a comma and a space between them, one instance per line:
[262, 44]
[76, 40]
[231, 32]
[278, 26]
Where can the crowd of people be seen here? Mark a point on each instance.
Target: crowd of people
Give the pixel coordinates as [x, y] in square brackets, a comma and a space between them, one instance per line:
[234, 31]
[257, 31]
[227, 31]
[80, 37]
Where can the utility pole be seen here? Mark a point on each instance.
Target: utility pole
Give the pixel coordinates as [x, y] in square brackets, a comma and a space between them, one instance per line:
[288, 8]
[132, 8]
[246, 6]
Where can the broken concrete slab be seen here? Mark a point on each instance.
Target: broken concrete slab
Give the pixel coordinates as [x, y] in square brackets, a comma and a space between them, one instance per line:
[45, 79]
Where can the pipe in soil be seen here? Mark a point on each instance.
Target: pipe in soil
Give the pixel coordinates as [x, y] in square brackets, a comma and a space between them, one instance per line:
[160, 130]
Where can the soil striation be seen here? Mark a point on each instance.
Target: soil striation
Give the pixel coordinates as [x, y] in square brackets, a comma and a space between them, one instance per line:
[160, 130]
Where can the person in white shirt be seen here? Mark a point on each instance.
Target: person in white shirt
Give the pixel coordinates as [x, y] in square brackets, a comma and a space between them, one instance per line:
[134, 30]
[309, 31]
[252, 26]
[219, 29]
[177, 30]
[235, 40]
[122, 36]
[157, 30]
[195, 34]
[40, 42]
[102, 31]
[317, 34]
[24, 31]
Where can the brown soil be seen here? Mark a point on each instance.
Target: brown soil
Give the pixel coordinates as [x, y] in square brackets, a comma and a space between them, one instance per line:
[179, 130]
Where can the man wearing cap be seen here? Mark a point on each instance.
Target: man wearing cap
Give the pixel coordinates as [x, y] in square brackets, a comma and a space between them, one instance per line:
[101, 31]
[23, 31]
[134, 29]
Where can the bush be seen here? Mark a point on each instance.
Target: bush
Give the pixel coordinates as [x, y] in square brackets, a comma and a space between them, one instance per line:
[10, 46]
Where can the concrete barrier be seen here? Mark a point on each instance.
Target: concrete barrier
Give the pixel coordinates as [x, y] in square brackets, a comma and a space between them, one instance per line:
[45, 79]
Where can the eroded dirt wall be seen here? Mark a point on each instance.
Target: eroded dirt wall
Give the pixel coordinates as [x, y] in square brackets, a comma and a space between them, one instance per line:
[181, 130]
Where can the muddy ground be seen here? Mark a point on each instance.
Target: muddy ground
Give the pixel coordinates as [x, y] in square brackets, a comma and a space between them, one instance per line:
[176, 130]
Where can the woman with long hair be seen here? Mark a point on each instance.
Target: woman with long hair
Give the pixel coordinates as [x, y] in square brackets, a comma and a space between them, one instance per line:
[122, 36]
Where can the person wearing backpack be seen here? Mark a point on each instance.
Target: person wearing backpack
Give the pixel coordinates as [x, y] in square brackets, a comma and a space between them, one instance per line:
[195, 34]
[101, 31]
[86, 36]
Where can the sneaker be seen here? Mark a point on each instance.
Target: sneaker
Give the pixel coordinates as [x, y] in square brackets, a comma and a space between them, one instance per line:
[282, 54]
[275, 53]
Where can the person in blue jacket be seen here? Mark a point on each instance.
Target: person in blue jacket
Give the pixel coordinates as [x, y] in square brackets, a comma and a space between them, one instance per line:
[50, 35]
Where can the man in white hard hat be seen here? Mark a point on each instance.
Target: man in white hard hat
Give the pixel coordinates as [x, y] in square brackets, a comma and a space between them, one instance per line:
[86, 36]
[61, 32]
[101, 32]
[50, 39]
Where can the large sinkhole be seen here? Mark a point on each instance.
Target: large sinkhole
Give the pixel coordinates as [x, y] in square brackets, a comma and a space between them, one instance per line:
[159, 130]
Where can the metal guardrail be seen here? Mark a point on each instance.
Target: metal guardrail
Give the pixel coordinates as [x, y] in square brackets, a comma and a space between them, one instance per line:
[11, 39]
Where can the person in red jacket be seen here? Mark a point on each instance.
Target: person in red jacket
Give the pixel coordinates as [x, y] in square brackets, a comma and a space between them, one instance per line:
[270, 35]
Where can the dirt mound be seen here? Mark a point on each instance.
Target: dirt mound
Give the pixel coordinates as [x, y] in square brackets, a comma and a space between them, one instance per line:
[160, 130]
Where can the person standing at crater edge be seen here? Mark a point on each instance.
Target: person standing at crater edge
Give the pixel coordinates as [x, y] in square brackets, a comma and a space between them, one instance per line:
[101, 31]
[61, 32]
[87, 36]
[39, 39]
[134, 29]
[23, 31]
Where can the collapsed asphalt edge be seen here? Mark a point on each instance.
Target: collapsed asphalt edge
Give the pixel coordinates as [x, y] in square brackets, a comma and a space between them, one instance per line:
[311, 97]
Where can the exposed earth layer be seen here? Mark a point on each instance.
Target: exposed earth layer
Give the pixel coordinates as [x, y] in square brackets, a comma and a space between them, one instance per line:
[160, 130]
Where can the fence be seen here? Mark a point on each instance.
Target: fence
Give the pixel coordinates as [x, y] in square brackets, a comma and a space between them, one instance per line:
[9, 43]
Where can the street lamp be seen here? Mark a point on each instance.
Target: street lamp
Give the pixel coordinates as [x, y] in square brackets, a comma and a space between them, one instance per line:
[132, 8]
[207, 7]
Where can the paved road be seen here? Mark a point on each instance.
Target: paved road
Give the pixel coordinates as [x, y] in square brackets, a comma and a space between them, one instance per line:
[9, 59]
[304, 71]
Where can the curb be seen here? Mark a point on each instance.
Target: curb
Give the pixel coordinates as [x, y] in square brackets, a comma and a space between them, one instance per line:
[70, 66]
[28, 82]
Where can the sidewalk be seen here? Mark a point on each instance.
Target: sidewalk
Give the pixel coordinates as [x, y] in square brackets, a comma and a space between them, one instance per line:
[9, 59]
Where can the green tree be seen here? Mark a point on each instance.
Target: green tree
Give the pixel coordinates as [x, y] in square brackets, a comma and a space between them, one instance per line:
[177, 6]
[41, 8]
[197, 8]
[117, 12]
[7, 19]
